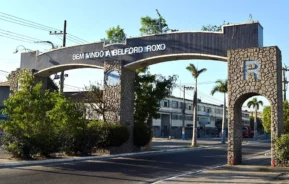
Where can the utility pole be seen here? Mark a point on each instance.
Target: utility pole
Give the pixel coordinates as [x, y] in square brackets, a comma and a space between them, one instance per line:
[184, 112]
[61, 82]
[184, 109]
[284, 82]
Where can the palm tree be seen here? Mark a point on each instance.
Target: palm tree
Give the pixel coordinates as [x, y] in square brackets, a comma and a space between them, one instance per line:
[255, 104]
[195, 73]
[222, 88]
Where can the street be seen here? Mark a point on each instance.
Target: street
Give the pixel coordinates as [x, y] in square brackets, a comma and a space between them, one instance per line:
[133, 169]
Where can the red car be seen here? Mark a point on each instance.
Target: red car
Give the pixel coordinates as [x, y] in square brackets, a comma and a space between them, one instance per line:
[247, 132]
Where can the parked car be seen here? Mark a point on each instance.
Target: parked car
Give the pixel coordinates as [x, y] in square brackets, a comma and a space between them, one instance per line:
[247, 132]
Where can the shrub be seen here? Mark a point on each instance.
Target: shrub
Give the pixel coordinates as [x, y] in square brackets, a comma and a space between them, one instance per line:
[105, 135]
[38, 120]
[142, 134]
[282, 147]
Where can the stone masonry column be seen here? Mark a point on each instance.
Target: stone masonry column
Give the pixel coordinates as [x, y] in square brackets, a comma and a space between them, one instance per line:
[15, 79]
[119, 94]
[253, 71]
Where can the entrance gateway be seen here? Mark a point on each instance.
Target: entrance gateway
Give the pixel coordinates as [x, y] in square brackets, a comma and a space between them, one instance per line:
[252, 70]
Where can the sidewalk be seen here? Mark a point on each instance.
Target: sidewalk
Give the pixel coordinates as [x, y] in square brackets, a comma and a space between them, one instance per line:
[255, 170]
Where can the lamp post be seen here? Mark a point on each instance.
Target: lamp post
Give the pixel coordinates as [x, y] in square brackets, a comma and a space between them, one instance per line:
[24, 48]
[49, 42]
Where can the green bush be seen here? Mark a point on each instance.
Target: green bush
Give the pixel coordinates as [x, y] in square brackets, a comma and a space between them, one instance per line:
[105, 135]
[38, 120]
[142, 134]
[16, 146]
[282, 147]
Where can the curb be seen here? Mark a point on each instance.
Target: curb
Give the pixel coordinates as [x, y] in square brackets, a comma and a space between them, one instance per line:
[49, 161]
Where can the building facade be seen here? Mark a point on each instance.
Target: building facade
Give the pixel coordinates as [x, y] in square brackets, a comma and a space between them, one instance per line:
[171, 118]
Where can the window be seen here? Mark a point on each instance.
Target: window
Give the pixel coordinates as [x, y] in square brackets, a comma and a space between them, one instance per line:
[201, 108]
[174, 104]
[165, 103]
[190, 107]
[181, 105]
[219, 111]
[189, 118]
[174, 116]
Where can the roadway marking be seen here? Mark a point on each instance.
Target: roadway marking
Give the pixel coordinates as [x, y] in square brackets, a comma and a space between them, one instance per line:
[207, 168]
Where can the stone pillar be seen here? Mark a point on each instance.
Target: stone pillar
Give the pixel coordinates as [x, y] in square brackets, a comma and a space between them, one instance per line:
[119, 94]
[15, 80]
[253, 71]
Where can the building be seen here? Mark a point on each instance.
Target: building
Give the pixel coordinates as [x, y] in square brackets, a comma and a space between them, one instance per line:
[4, 92]
[171, 117]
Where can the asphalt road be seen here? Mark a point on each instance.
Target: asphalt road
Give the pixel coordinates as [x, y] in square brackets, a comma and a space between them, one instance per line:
[133, 169]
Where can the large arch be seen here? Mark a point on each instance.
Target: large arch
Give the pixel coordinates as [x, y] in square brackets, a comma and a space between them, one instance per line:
[142, 51]
[151, 49]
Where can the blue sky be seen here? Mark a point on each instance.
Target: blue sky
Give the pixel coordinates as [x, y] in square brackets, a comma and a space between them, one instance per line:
[89, 19]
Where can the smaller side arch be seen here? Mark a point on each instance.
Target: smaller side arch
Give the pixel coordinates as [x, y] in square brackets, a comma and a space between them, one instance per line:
[235, 125]
[253, 71]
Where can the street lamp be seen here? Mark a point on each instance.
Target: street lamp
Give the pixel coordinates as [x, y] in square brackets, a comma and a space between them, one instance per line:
[49, 42]
[16, 50]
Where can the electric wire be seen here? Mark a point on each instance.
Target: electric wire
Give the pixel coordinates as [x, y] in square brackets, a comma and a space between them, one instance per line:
[31, 24]
[20, 35]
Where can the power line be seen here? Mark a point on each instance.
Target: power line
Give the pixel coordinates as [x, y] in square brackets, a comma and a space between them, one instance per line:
[73, 86]
[18, 36]
[5, 15]
[31, 24]
[75, 37]
[22, 40]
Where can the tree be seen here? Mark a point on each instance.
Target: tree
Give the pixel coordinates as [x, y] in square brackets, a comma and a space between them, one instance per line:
[38, 119]
[255, 104]
[286, 117]
[222, 88]
[214, 28]
[153, 26]
[93, 97]
[115, 35]
[266, 119]
[195, 73]
[149, 91]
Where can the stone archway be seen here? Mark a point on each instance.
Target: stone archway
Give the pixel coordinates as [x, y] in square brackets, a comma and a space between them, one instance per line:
[253, 71]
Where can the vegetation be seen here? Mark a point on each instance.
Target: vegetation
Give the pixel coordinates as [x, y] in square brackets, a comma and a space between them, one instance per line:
[282, 148]
[222, 87]
[260, 127]
[142, 134]
[115, 35]
[266, 118]
[149, 91]
[41, 123]
[255, 104]
[214, 28]
[195, 73]
[153, 26]
[94, 97]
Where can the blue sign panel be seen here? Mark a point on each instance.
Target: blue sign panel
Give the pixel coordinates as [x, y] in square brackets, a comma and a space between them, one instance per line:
[112, 78]
[251, 70]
